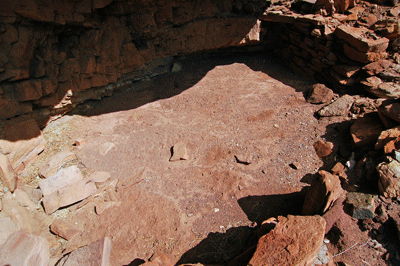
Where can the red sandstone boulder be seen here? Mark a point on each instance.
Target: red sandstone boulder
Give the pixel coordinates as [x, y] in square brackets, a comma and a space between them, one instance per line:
[365, 131]
[325, 189]
[389, 179]
[320, 94]
[296, 240]
[323, 148]
[387, 136]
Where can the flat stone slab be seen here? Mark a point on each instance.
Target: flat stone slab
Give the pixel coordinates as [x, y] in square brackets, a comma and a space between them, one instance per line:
[68, 195]
[361, 39]
[63, 178]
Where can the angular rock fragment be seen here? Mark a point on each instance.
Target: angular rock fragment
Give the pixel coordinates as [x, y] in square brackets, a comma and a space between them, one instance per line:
[68, 195]
[320, 94]
[392, 146]
[25, 250]
[63, 178]
[295, 240]
[365, 131]
[179, 152]
[362, 205]
[64, 229]
[338, 108]
[389, 179]
[96, 253]
[324, 190]
[7, 174]
[23, 199]
[323, 148]
[387, 136]
[50, 167]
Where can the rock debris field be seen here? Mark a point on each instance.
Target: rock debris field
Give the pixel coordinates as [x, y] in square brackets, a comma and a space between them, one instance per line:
[226, 160]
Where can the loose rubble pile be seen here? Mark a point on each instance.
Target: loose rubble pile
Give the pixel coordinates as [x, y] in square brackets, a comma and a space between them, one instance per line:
[357, 193]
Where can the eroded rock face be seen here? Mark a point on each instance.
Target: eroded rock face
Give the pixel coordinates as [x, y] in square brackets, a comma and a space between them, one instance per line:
[83, 46]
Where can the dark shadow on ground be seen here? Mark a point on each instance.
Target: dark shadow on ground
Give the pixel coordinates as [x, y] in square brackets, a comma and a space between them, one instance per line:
[260, 208]
[222, 248]
[194, 68]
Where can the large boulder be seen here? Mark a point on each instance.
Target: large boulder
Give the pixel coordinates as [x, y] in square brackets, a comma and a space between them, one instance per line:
[295, 240]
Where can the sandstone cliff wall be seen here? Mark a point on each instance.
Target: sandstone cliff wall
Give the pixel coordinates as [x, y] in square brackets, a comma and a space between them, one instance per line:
[56, 54]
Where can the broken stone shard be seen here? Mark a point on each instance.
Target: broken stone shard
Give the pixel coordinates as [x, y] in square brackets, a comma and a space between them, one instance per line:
[179, 152]
[64, 229]
[323, 148]
[324, 190]
[295, 240]
[339, 107]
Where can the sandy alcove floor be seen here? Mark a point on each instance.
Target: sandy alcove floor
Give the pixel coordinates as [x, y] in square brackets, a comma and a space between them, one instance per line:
[244, 107]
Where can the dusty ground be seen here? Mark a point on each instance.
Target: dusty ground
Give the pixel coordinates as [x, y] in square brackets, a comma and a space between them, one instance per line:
[240, 105]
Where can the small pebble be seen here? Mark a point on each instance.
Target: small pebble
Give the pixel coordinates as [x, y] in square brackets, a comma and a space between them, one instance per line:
[216, 210]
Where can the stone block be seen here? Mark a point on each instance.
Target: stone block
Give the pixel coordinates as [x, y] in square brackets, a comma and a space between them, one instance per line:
[389, 179]
[68, 195]
[325, 189]
[320, 94]
[295, 240]
[357, 38]
[362, 57]
[339, 107]
[63, 178]
[179, 152]
[323, 148]
[23, 249]
[362, 205]
[64, 229]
